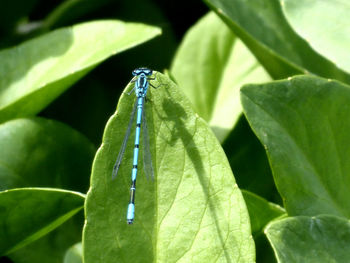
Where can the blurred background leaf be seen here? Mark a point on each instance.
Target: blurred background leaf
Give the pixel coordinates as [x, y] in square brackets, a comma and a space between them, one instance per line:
[45, 153]
[74, 254]
[52, 247]
[210, 66]
[30, 213]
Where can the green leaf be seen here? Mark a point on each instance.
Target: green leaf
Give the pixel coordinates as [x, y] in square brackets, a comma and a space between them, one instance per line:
[45, 153]
[263, 28]
[304, 124]
[52, 247]
[324, 25]
[261, 212]
[192, 211]
[34, 73]
[28, 214]
[40, 152]
[322, 238]
[210, 66]
[74, 254]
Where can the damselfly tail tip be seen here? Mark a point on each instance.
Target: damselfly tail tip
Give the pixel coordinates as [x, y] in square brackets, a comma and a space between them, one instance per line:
[130, 221]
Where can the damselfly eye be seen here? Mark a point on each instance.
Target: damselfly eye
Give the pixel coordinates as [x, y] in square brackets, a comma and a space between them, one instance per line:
[138, 71]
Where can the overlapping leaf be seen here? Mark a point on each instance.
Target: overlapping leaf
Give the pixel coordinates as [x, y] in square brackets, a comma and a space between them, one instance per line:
[210, 66]
[304, 125]
[26, 214]
[261, 212]
[313, 239]
[46, 153]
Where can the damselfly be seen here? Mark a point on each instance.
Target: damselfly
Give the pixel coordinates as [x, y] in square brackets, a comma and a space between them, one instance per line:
[142, 77]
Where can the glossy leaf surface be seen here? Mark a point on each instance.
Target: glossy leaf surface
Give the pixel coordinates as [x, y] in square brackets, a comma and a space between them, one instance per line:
[318, 239]
[304, 125]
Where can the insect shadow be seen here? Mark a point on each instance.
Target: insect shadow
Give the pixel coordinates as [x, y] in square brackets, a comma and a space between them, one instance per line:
[175, 114]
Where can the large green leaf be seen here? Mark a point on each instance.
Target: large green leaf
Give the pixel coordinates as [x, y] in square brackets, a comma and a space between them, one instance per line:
[263, 28]
[193, 211]
[37, 71]
[261, 212]
[210, 66]
[310, 239]
[324, 25]
[46, 153]
[28, 214]
[304, 125]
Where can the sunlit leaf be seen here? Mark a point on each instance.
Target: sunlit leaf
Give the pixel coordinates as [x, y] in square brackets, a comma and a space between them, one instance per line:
[324, 25]
[263, 28]
[34, 73]
[210, 67]
[193, 211]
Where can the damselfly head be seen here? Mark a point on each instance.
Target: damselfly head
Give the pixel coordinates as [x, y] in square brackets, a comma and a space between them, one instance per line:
[139, 71]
